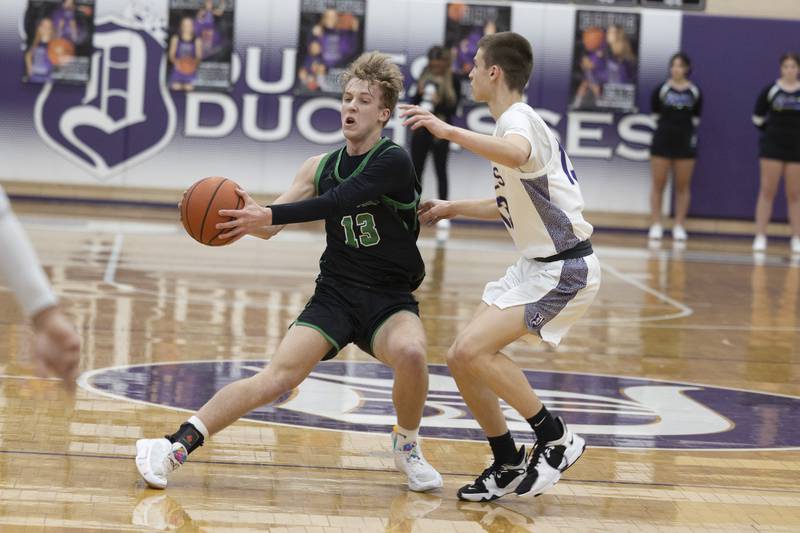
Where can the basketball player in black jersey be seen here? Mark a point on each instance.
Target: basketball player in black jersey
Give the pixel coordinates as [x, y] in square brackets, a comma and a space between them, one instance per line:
[367, 192]
[777, 114]
[676, 104]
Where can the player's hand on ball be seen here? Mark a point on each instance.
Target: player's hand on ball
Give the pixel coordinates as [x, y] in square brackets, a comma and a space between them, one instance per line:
[56, 346]
[417, 117]
[180, 202]
[249, 219]
[433, 211]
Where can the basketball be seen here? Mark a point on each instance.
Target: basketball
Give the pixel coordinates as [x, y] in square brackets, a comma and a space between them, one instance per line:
[456, 11]
[593, 38]
[186, 65]
[347, 22]
[60, 51]
[200, 207]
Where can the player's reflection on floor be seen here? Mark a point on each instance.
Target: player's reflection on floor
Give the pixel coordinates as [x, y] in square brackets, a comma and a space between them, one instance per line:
[495, 518]
[161, 513]
[409, 507]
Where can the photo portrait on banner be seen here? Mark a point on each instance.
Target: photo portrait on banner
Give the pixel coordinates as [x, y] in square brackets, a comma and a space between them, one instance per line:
[199, 44]
[331, 36]
[465, 25]
[605, 61]
[58, 41]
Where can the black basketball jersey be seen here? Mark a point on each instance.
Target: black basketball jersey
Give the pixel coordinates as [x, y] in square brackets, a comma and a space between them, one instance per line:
[777, 112]
[677, 109]
[373, 244]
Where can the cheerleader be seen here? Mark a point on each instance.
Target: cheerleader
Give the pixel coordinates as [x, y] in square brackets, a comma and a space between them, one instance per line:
[777, 114]
[677, 104]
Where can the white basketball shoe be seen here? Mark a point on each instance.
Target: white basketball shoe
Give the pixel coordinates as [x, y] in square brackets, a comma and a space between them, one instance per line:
[549, 459]
[157, 458]
[409, 460]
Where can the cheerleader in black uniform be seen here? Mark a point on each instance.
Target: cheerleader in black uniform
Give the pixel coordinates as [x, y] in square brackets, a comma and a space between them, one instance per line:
[777, 114]
[677, 104]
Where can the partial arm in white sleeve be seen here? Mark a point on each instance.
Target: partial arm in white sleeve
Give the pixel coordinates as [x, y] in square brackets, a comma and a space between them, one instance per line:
[19, 266]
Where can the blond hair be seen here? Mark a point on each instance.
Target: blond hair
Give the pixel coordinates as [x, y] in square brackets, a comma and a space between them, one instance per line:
[445, 82]
[377, 68]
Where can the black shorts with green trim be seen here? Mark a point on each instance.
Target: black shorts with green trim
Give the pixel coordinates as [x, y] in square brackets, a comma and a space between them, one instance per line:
[345, 313]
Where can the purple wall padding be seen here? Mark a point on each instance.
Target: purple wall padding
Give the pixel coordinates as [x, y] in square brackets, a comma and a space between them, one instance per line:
[733, 60]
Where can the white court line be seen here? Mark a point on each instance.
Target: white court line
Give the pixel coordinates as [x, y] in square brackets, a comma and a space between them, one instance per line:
[113, 259]
[32, 378]
[683, 310]
[113, 262]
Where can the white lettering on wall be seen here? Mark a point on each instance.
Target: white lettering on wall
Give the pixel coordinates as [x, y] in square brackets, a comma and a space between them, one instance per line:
[196, 100]
[578, 131]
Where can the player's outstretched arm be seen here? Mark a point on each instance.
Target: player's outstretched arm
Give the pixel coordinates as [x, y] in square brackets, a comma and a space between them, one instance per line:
[56, 345]
[512, 150]
[433, 211]
[388, 173]
[302, 187]
[256, 220]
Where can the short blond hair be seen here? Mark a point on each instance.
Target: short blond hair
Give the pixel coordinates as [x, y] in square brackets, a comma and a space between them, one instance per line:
[377, 68]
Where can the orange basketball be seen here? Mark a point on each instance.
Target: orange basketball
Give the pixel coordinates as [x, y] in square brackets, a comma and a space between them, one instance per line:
[200, 209]
[186, 65]
[347, 22]
[593, 38]
[60, 51]
[456, 11]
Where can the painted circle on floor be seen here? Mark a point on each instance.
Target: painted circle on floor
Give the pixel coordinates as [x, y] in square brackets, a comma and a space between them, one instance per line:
[609, 411]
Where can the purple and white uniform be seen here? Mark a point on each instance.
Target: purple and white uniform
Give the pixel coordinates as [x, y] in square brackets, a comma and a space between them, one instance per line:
[541, 204]
[619, 71]
[63, 20]
[184, 49]
[206, 29]
[597, 75]
[337, 45]
[41, 67]
[467, 49]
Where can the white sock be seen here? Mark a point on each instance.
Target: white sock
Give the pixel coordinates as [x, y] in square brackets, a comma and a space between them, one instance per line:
[198, 424]
[404, 436]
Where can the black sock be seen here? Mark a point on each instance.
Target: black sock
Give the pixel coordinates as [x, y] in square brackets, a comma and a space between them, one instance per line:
[187, 435]
[545, 426]
[503, 448]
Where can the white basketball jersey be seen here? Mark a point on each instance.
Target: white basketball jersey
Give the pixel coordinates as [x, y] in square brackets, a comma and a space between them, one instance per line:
[540, 202]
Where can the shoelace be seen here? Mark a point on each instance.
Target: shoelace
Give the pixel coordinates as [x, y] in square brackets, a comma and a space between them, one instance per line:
[494, 467]
[538, 454]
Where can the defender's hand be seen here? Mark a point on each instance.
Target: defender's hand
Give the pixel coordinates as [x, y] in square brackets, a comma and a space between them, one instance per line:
[433, 211]
[417, 117]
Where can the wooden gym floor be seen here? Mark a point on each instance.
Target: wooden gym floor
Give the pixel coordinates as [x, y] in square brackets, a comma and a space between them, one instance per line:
[698, 450]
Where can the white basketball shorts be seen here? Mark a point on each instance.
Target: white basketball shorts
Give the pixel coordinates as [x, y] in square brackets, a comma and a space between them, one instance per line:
[555, 295]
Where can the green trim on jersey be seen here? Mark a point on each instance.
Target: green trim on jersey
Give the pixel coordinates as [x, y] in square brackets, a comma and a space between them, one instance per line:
[400, 205]
[391, 203]
[360, 167]
[383, 323]
[318, 173]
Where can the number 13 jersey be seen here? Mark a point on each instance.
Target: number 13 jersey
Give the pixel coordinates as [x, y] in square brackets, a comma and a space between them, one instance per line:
[540, 202]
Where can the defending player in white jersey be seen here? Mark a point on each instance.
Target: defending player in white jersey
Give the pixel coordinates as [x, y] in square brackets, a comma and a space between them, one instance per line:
[56, 345]
[538, 198]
